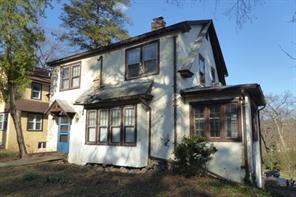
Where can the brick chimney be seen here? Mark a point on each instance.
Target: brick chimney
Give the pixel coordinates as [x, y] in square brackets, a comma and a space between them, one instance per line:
[158, 23]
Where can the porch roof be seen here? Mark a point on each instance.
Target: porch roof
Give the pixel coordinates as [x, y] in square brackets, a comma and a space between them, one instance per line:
[60, 106]
[126, 91]
[254, 90]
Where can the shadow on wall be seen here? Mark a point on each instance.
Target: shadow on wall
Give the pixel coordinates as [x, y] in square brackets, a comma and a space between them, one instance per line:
[226, 162]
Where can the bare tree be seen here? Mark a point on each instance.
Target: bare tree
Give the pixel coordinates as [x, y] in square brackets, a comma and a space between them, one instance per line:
[279, 119]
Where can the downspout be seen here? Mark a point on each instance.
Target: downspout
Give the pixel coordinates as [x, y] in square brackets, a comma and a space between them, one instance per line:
[101, 70]
[175, 91]
[260, 138]
[246, 158]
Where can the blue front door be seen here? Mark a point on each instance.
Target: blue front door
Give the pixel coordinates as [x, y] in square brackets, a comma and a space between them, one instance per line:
[64, 134]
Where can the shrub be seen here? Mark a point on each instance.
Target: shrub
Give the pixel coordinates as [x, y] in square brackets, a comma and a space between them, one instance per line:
[31, 176]
[192, 155]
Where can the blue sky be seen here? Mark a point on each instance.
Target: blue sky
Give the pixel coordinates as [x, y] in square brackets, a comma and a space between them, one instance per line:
[252, 53]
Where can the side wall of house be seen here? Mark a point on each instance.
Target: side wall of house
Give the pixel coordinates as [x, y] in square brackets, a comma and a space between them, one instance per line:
[31, 138]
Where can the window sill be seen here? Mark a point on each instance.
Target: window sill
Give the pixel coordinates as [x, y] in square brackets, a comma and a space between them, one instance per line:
[217, 139]
[62, 90]
[106, 144]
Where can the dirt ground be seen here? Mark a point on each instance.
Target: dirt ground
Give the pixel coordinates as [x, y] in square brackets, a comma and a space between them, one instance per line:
[62, 179]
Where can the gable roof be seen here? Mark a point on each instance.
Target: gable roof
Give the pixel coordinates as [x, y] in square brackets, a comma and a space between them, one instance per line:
[60, 106]
[184, 26]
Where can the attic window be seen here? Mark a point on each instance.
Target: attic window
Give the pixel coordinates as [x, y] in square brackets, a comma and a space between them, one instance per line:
[36, 91]
[142, 60]
[213, 75]
[202, 68]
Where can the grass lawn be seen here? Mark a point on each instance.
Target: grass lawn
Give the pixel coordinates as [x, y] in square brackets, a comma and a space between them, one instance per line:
[56, 179]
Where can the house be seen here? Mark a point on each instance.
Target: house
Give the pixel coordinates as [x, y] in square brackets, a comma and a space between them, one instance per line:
[32, 103]
[135, 100]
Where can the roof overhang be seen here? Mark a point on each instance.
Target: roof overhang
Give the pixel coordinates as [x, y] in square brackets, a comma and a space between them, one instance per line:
[31, 106]
[254, 90]
[124, 93]
[61, 107]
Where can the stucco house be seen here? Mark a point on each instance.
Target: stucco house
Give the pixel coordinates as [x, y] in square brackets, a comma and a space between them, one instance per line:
[135, 100]
[32, 103]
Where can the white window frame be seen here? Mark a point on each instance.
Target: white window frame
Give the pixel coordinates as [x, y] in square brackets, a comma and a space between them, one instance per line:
[34, 121]
[33, 91]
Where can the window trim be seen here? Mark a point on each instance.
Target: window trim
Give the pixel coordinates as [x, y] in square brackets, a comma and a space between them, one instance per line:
[40, 95]
[223, 133]
[70, 85]
[35, 130]
[141, 46]
[109, 132]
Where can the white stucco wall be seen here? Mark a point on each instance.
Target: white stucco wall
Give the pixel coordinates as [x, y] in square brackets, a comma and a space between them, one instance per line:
[135, 156]
[227, 161]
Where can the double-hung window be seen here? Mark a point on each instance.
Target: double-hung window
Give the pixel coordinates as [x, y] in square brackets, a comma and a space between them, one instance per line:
[142, 60]
[34, 122]
[70, 76]
[3, 121]
[216, 121]
[113, 126]
[36, 91]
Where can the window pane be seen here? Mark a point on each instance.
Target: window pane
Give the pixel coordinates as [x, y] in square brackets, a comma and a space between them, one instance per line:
[65, 73]
[201, 65]
[63, 138]
[31, 117]
[115, 116]
[75, 82]
[64, 120]
[91, 134]
[30, 125]
[38, 117]
[214, 121]
[129, 117]
[133, 70]
[150, 52]
[104, 118]
[92, 116]
[150, 66]
[65, 84]
[103, 134]
[75, 71]
[199, 120]
[116, 134]
[64, 128]
[231, 120]
[1, 121]
[38, 126]
[130, 135]
[36, 90]
[133, 56]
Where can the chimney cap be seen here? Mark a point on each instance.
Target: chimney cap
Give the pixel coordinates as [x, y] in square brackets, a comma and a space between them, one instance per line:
[158, 18]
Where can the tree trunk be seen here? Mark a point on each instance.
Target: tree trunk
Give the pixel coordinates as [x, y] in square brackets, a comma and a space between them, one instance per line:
[16, 116]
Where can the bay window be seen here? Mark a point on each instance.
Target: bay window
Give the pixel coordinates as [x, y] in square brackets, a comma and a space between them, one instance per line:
[114, 126]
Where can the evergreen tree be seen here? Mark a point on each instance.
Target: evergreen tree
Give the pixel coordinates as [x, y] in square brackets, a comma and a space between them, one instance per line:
[19, 38]
[94, 23]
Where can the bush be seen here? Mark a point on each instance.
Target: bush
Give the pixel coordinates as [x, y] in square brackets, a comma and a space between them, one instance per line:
[192, 156]
[31, 176]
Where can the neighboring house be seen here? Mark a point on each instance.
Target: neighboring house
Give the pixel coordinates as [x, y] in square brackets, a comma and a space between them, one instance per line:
[32, 103]
[134, 100]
